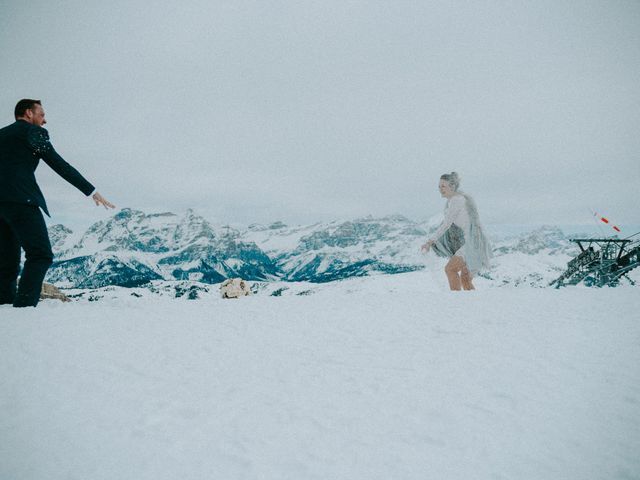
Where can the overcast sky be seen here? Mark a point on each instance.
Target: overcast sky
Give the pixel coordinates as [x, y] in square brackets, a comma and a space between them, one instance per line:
[309, 111]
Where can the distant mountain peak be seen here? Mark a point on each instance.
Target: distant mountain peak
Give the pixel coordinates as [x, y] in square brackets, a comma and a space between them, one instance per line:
[132, 247]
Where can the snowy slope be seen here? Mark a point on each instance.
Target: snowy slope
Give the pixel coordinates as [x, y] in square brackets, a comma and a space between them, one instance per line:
[368, 378]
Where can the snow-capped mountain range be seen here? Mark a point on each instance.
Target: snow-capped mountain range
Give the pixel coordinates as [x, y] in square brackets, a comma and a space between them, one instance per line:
[133, 248]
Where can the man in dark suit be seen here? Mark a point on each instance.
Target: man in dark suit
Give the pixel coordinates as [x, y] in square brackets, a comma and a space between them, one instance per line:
[22, 145]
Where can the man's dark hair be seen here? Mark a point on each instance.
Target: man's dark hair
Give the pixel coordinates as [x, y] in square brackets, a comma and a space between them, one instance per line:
[24, 105]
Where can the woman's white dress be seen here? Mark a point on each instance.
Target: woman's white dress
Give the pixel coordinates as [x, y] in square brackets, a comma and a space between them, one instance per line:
[461, 211]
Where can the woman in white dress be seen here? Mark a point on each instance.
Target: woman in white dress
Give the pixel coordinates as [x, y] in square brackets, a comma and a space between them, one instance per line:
[460, 236]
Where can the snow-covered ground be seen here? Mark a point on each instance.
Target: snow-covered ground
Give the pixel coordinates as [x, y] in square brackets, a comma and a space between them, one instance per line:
[385, 377]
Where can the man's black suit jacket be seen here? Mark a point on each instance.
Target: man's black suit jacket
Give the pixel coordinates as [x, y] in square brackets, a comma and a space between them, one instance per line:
[22, 145]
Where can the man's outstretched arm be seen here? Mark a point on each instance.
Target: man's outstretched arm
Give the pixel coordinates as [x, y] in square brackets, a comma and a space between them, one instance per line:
[39, 141]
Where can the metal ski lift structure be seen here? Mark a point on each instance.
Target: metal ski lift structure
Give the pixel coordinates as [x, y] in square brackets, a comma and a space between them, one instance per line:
[601, 262]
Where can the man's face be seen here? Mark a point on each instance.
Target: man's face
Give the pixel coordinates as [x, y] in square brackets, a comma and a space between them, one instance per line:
[35, 116]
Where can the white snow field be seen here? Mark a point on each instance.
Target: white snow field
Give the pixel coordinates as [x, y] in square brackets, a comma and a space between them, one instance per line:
[387, 377]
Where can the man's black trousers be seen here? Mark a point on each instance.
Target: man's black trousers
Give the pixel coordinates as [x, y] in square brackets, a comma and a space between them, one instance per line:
[22, 226]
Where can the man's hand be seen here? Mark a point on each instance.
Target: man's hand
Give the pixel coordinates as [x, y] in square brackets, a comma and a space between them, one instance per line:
[425, 248]
[100, 200]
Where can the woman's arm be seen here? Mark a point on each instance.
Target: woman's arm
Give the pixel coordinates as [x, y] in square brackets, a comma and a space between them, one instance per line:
[456, 205]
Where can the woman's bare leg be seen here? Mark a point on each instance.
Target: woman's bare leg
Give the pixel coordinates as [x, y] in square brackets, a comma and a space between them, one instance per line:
[466, 279]
[452, 269]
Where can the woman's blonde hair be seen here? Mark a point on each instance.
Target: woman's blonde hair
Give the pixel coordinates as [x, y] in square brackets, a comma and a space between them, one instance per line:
[453, 178]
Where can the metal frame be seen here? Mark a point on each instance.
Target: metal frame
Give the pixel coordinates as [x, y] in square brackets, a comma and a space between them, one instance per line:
[601, 262]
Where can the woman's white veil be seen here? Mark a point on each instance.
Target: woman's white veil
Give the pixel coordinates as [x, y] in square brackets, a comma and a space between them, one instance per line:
[477, 249]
